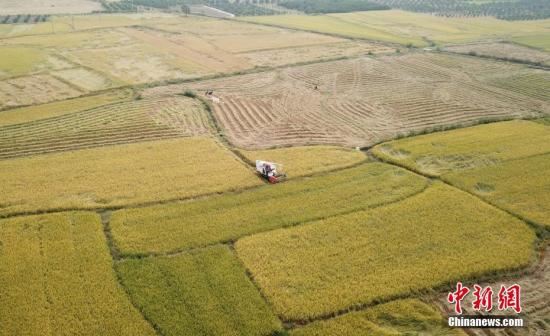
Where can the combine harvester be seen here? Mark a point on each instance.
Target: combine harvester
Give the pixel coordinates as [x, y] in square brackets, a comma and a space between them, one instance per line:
[273, 172]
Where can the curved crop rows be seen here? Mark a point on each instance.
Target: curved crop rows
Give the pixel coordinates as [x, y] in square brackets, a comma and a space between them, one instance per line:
[119, 123]
[364, 101]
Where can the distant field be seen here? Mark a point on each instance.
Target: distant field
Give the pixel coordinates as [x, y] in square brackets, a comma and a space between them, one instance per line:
[300, 161]
[205, 292]
[178, 226]
[56, 278]
[415, 28]
[492, 161]
[44, 111]
[117, 123]
[361, 102]
[504, 51]
[427, 240]
[48, 6]
[393, 318]
[120, 175]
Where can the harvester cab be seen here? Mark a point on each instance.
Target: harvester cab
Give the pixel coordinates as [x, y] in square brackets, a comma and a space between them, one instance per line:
[271, 171]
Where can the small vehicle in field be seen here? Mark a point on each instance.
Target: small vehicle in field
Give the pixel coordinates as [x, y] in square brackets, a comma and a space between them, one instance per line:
[271, 171]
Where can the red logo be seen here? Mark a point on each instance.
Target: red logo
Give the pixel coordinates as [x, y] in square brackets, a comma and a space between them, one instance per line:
[508, 297]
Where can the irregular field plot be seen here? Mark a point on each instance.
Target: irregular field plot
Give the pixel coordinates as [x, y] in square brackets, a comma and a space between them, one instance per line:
[503, 50]
[48, 6]
[44, 111]
[84, 79]
[400, 317]
[364, 101]
[56, 278]
[119, 175]
[442, 152]
[16, 61]
[303, 161]
[119, 123]
[521, 186]
[36, 89]
[170, 227]
[422, 242]
[205, 292]
[406, 27]
[506, 163]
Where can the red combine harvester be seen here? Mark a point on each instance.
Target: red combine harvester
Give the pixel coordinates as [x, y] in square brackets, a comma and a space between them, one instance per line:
[271, 171]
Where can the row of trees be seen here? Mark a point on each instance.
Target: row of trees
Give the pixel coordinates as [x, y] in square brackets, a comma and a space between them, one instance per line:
[332, 6]
[507, 10]
[26, 18]
[237, 7]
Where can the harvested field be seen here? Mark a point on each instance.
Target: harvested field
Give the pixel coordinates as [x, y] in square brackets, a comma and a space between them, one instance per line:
[508, 51]
[36, 89]
[18, 61]
[9, 7]
[119, 175]
[44, 111]
[117, 123]
[535, 289]
[424, 241]
[179, 226]
[85, 79]
[491, 161]
[303, 161]
[400, 317]
[205, 292]
[56, 278]
[365, 101]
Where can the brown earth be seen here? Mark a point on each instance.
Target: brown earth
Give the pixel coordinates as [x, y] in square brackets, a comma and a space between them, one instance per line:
[363, 101]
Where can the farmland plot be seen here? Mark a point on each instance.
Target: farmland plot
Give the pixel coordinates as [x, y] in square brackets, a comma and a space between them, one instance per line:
[365, 101]
[393, 318]
[120, 175]
[178, 226]
[55, 109]
[56, 279]
[503, 50]
[18, 61]
[303, 161]
[205, 292]
[84, 79]
[119, 123]
[426, 240]
[48, 6]
[505, 163]
[36, 89]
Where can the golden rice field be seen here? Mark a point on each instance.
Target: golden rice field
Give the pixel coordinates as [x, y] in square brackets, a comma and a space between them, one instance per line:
[120, 175]
[415, 28]
[304, 161]
[399, 317]
[44, 111]
[204, 292]
[438, 153]
[425, 241]
[116, 123]
[504, 163]
[179, 226]
[56, 278]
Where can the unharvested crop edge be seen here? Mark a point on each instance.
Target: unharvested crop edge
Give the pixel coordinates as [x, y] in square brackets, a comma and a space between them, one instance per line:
[531, 64]
[115, 256]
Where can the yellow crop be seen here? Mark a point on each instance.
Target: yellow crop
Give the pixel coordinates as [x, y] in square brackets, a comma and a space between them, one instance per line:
[466, 148]
[425, 241]
[178, 226]
[37, 112]
[56, 278]
[301, 161]
[400, 317]
[521, 186]
[120, 175]
[205, 292]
